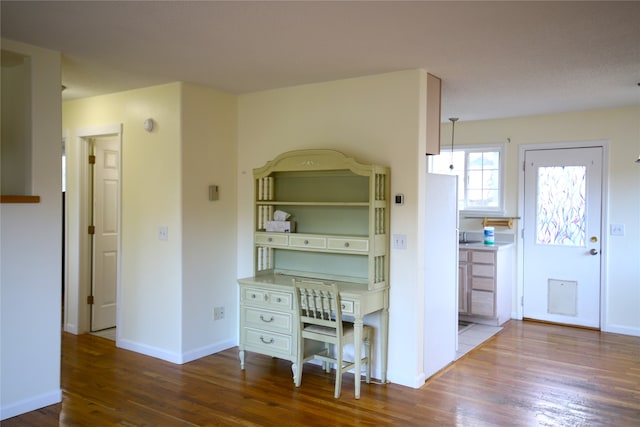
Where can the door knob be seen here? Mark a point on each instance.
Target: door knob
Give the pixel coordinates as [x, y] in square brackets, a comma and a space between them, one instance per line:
[593, 252]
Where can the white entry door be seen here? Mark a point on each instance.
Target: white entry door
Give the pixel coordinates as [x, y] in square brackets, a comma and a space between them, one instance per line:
[106, 177]
[562, 235]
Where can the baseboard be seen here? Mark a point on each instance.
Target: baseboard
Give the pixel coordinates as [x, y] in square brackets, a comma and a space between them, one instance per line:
[567, 325]
[31, 404]
[71, 328]
[147, 350]
[207, 350]
[624, 330]
[176, 358]
[414, 382]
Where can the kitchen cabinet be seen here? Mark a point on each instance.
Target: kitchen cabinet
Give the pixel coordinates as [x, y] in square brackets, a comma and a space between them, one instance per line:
[486, 282]
[339, 209]
[434, 94]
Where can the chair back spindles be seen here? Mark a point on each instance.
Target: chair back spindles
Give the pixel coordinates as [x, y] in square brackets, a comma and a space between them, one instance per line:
[318, 303]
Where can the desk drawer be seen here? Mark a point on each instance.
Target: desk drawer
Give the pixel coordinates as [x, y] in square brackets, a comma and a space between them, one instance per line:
[350, 245]
[268, 342]
[267, 298]
[276, 239]
[347, 307]
[307, 242]
[268, 320]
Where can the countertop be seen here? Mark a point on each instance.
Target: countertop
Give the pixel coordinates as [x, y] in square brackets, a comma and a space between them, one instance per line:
[481, 246]
[476, 241]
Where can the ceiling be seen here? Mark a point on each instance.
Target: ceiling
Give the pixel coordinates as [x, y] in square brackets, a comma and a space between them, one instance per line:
[496, 59]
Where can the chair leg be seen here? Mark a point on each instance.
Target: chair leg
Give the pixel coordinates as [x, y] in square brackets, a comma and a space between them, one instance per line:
[367, 353]
[327, 365]
[297, 367]
[338, 371]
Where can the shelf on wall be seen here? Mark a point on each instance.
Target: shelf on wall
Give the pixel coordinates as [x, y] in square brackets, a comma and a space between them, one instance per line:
[19, 199]
[498, 222]
[495, 222]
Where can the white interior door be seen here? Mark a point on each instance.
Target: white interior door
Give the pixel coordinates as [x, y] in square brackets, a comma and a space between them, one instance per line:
[562, 235]
[105, 243]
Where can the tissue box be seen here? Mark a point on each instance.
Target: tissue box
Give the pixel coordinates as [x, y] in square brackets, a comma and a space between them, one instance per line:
[281, 226]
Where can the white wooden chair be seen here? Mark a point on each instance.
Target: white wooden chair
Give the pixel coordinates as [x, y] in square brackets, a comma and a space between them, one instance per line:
[320, 320]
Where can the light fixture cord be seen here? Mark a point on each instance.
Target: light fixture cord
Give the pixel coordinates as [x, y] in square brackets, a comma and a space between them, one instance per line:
[453, 128]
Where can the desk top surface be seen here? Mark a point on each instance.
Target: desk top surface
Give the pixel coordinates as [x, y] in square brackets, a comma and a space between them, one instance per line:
[283, 280]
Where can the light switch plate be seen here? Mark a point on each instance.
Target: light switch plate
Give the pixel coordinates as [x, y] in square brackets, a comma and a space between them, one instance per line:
[400, 241]
[617, 229]
[163, 232]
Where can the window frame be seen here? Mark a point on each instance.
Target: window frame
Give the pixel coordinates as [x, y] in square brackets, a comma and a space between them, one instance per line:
[478, 148]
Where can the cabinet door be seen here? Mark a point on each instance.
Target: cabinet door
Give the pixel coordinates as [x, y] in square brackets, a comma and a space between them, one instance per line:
[463, 289]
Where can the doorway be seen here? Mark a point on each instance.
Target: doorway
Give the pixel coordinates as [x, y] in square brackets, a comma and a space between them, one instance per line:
[93, 223]
[104, 190]
[562, 234]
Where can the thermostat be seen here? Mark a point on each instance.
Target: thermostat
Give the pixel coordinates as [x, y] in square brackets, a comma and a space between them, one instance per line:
[399, 199]
[213, 193]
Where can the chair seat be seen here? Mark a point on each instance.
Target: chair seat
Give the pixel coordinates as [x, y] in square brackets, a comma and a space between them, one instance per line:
[347, 328]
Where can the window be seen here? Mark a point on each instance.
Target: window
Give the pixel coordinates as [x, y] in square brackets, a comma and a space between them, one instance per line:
[480, 176]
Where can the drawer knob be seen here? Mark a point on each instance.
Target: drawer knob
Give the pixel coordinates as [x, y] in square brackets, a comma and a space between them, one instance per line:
[306, 242]
[266, 297]
[278, 299]
[265, 320]
[253, 296]
[346, 244]
[270, 239]
[265, 341]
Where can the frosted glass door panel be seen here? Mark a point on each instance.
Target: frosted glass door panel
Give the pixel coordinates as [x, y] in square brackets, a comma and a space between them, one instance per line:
[561, 202]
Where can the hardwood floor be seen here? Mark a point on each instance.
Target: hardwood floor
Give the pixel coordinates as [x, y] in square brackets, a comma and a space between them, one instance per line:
[529, 374]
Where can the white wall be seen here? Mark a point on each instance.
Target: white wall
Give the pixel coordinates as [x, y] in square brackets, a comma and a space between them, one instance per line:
[375, 119]
[209, 157]
[150, 271]
[621, 128]
[167, 288]
[31, 256]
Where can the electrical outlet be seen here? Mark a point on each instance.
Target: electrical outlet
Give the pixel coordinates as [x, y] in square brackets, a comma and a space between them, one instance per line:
[218, 313]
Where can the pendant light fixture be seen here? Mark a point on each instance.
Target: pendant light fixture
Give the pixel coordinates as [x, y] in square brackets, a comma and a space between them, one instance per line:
[453, 127]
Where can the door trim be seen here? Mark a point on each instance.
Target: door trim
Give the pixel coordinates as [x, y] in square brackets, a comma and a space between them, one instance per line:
[604, 209]
[78, 319]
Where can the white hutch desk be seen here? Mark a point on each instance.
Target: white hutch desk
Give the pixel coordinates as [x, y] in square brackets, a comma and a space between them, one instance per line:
[341, 213]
